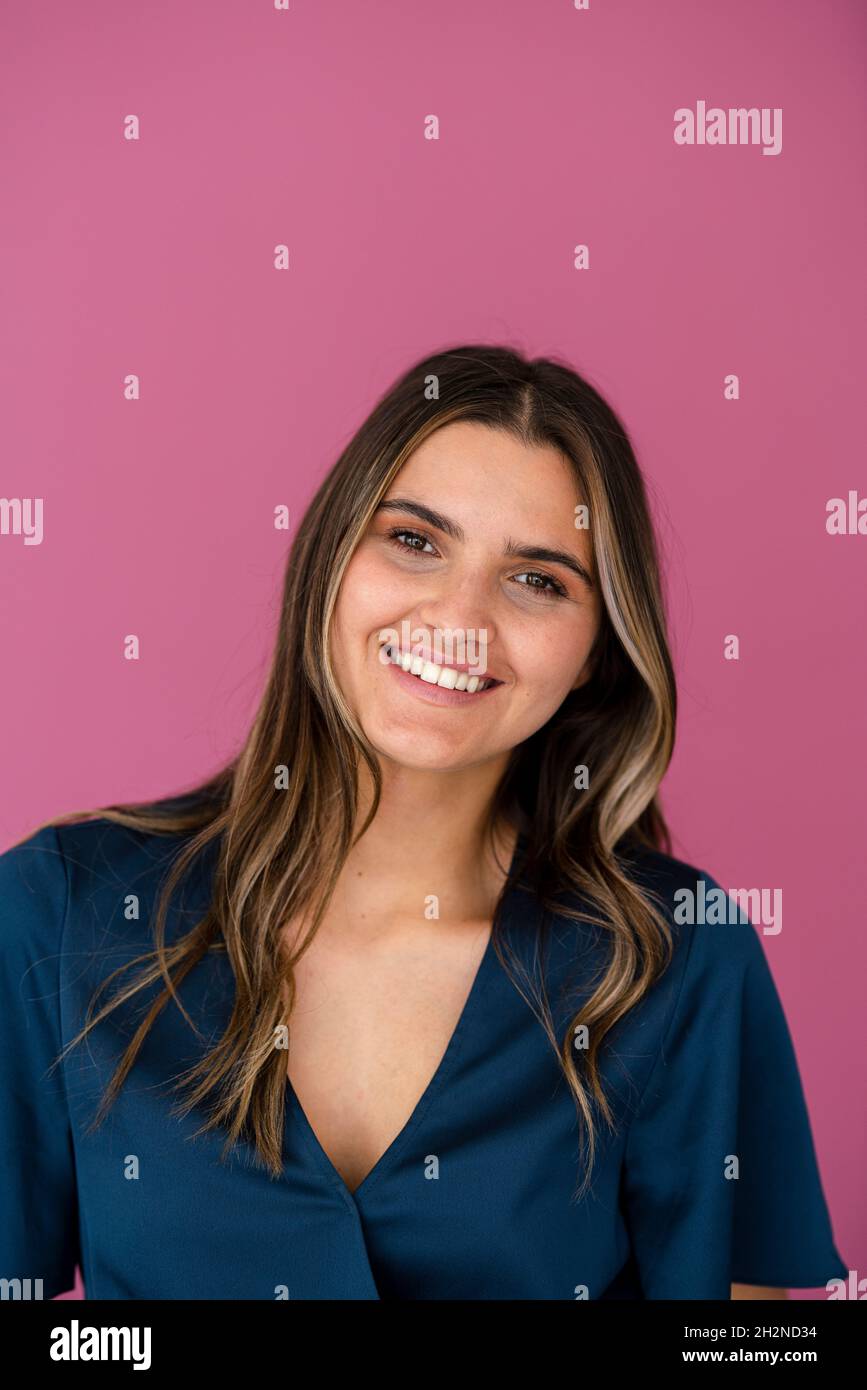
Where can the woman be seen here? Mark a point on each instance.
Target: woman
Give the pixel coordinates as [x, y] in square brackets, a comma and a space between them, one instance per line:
[398, 1004]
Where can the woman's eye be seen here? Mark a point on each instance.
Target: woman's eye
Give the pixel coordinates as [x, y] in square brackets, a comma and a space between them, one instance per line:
[534, 581]
[557, 590]
[414, 541]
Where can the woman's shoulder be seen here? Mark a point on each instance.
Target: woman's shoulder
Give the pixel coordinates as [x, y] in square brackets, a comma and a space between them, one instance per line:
[719, 1098]
[711, 926]
[95, 846]
[716, 960]
[64, 876]
[33, 895]
[714, 932]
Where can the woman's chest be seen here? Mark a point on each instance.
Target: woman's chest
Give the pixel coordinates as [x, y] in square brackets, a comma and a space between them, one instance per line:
[371, 1024]
[473, 1196]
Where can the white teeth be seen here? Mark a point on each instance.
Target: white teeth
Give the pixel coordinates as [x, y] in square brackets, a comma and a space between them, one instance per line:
[445, 676]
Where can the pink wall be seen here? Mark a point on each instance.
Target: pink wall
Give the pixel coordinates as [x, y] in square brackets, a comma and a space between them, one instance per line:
[305, 127]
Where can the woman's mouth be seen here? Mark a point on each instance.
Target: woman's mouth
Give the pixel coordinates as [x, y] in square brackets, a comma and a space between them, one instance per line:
[442, 685]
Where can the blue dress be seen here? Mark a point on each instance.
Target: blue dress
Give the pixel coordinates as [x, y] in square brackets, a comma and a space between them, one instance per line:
[475, 1197]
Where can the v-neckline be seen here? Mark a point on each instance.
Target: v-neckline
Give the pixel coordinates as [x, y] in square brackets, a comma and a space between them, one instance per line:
[446, 1065]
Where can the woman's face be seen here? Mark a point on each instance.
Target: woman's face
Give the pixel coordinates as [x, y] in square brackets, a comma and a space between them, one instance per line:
[446, 571]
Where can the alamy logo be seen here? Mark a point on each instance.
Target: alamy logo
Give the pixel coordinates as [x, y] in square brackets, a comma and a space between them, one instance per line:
[462, 645]
[739, 125]
[853, 1288]
[75, 1343]
[22, 516]
[717, 907]
[23, 1289]
[846, 519]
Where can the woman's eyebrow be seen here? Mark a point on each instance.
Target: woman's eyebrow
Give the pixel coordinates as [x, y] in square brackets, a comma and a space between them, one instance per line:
[521, 550]
[442, 523]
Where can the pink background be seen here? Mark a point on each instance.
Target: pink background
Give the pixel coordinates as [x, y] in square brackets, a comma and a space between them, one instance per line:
[260, 127]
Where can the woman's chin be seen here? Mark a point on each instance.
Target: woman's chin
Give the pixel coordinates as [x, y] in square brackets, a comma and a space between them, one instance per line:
[420, 751]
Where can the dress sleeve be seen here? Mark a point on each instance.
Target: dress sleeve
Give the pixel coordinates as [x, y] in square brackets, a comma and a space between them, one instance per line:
[38, 1208]
[721, 1183]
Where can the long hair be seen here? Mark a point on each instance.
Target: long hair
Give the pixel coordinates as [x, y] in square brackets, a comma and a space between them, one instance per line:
[283, 813]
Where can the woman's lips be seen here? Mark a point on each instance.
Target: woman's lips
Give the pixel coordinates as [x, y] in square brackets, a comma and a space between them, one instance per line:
[438, 694]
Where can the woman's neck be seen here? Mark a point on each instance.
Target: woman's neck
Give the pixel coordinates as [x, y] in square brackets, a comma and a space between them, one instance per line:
[430, 838]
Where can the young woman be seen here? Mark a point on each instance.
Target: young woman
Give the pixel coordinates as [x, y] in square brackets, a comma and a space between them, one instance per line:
[400, 1004]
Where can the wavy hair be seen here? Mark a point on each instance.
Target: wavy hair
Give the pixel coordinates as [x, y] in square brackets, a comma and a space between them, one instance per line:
[280, 850]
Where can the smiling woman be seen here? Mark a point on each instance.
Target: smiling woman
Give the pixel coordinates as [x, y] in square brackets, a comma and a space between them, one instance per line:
[464, 574]
[512, 1071]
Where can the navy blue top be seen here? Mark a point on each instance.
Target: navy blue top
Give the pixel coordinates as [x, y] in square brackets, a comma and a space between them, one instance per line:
[474, 1199]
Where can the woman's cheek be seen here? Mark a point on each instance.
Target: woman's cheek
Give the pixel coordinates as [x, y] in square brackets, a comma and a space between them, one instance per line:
[377, 591]
[544, 687]
[539, 697]
[361, 601]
